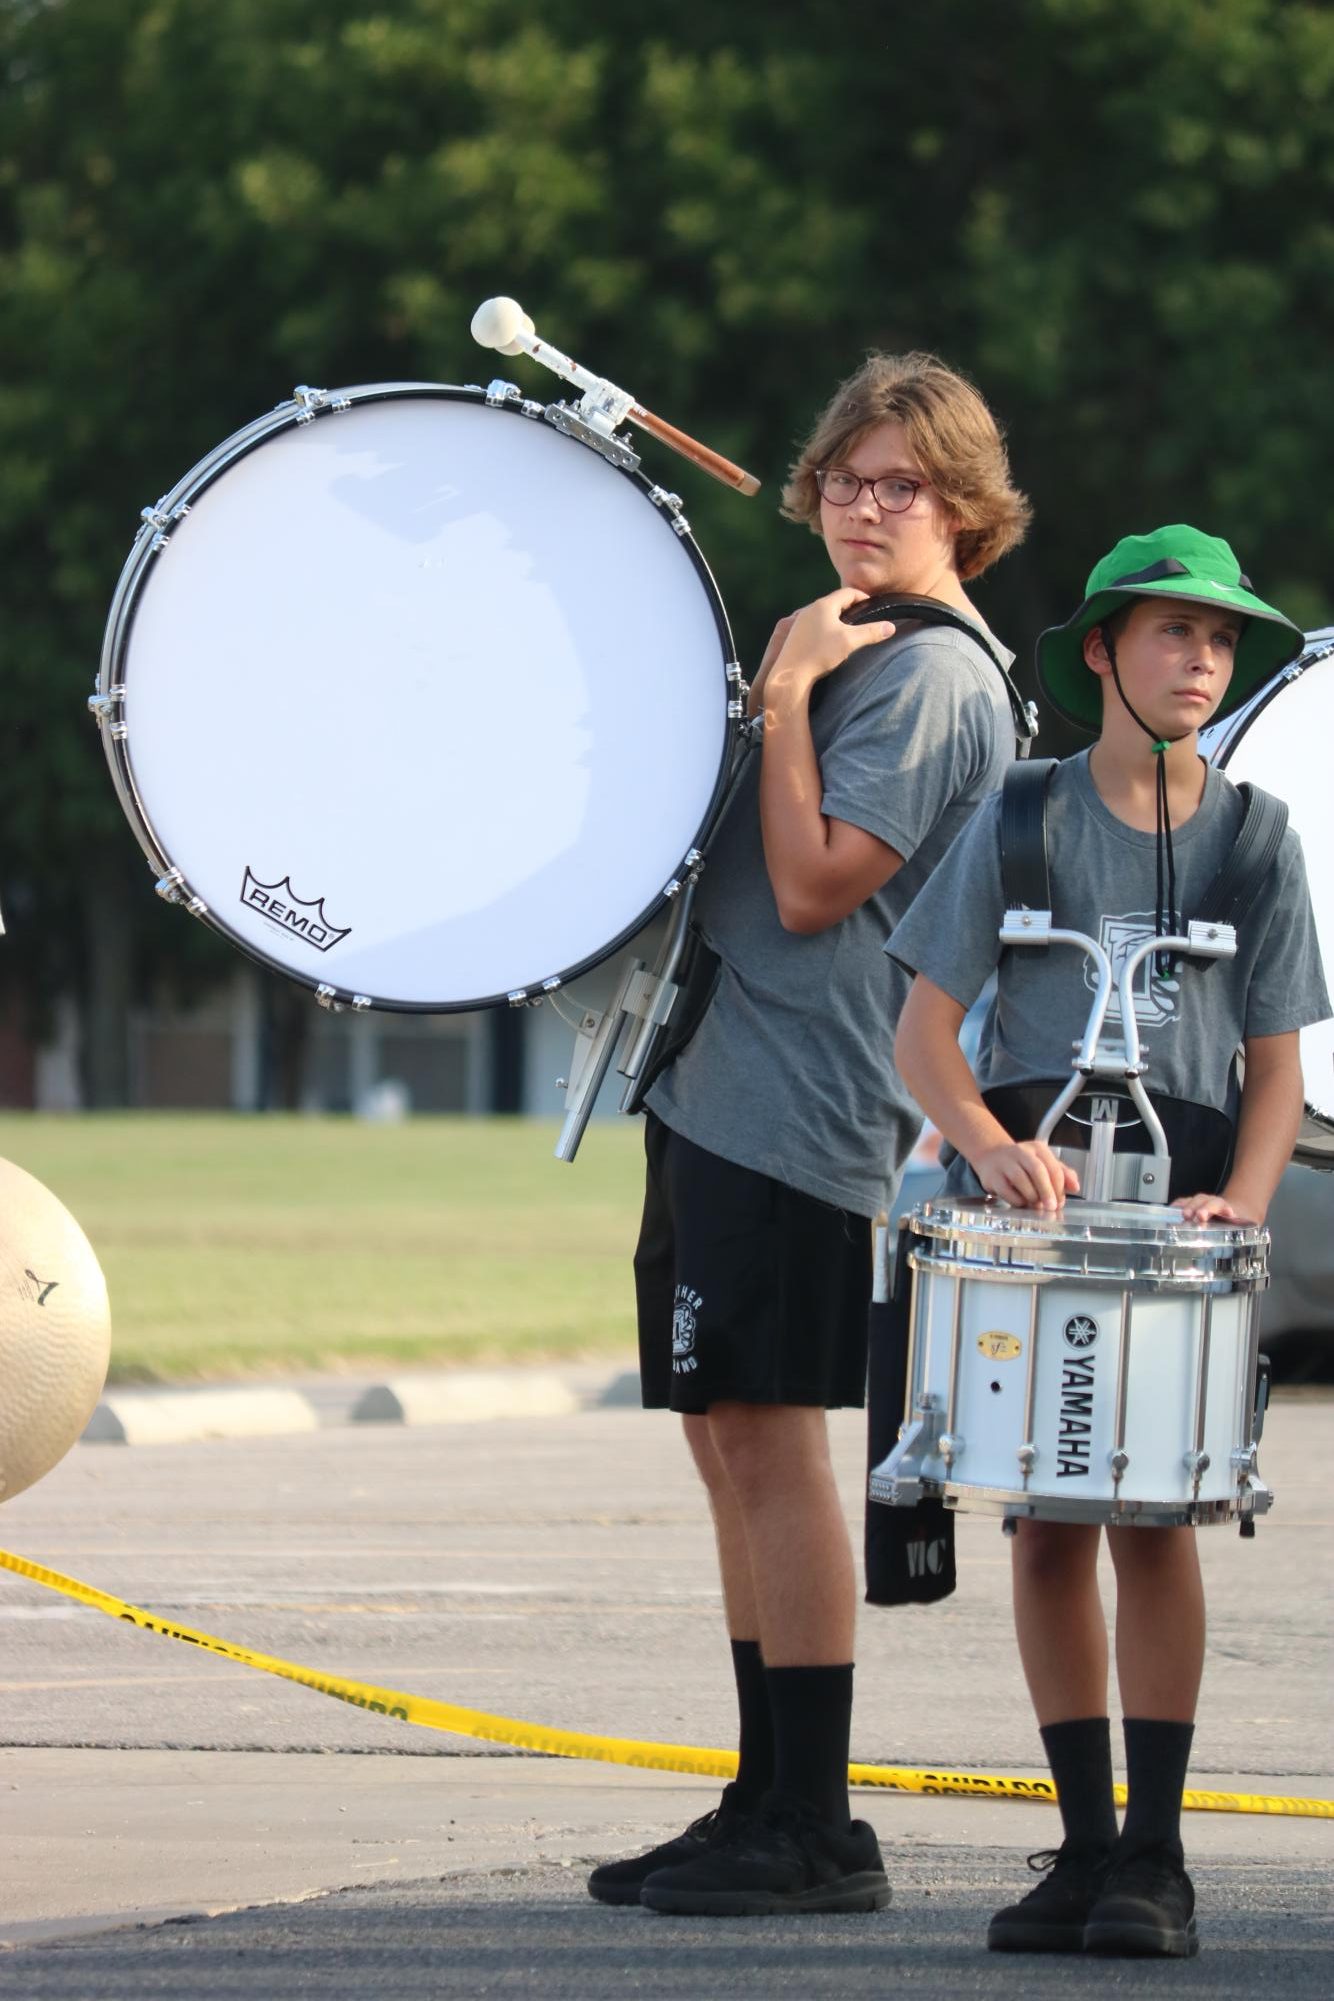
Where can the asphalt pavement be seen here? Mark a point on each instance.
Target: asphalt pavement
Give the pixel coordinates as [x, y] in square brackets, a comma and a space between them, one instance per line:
[172, 1823]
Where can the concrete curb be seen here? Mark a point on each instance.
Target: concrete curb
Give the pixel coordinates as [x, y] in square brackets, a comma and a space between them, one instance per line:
[446, 1396]
[149, 1417]
[463, 1399]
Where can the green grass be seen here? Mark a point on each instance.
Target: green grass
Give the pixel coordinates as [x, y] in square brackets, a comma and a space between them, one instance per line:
[243, 1247]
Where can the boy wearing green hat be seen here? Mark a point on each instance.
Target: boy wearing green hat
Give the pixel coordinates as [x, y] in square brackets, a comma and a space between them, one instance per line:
[1170, 635]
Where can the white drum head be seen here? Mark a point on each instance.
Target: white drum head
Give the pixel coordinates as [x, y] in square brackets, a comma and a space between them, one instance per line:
[426, 702]
[1280, 741]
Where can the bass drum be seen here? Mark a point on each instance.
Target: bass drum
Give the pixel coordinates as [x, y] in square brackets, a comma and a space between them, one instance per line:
[416, 699]
[1280, 741]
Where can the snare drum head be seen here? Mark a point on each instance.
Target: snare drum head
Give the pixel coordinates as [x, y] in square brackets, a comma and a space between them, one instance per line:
[426, 701]
[1280, 741]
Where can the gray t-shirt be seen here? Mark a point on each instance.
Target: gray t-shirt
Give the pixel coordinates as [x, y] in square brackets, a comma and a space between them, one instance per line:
[789, 1072]
[1103, 882]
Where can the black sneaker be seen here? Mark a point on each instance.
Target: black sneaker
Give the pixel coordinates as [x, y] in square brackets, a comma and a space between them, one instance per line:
[1146, 1906]
[1052, 1917]
[784, 1858]
[621, 1882]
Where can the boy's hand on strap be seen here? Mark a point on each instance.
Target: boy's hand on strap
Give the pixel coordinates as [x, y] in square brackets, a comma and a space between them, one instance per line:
[1026, 1173]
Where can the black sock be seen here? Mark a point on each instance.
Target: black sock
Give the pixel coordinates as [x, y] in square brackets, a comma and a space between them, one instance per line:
[812, 1721]
[755, 1771]
[1157, 1755]
[1080, 1756]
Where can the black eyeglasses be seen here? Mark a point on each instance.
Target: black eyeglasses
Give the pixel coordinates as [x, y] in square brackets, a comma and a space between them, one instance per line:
[891, 493]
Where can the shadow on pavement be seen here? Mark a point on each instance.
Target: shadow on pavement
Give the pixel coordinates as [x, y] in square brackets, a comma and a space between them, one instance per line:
[534, 1932]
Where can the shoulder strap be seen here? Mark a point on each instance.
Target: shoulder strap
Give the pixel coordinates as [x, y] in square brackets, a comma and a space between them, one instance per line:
[1234, 891]
[1025, 877]
[898, 605]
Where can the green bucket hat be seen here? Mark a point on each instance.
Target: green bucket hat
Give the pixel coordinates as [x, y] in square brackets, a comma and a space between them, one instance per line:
[1175, 562]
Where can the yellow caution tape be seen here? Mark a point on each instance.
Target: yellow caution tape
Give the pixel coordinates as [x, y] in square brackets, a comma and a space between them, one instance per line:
[460, 1722]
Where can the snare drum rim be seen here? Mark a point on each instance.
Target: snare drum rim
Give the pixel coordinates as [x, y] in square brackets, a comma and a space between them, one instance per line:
[972, 1237]
[980, 1219]
[1134, 1274]
[137, 571]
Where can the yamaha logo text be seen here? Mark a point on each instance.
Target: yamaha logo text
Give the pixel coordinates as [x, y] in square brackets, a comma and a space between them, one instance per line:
[1076, 1421]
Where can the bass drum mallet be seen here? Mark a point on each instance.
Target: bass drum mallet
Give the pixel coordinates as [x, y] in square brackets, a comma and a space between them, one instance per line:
[504, 325]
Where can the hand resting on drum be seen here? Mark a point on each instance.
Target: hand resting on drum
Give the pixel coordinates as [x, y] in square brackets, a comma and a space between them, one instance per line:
[1209, 1209]
[1026, 1173]
[1271, 1114]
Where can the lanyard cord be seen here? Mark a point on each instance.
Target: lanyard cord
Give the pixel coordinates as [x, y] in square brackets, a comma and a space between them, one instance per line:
[1166, 918]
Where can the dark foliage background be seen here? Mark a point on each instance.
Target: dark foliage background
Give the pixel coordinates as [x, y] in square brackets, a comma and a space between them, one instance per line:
[1115, 214]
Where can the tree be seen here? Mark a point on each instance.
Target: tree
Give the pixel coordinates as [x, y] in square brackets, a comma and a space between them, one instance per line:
[1114, 213]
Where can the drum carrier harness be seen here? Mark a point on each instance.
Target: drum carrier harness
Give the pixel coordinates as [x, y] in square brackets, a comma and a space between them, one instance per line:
[671, 1002]
[1166, 1147]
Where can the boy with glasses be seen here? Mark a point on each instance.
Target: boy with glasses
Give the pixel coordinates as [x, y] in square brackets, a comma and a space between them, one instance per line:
[777, 1132]
[1169, 635]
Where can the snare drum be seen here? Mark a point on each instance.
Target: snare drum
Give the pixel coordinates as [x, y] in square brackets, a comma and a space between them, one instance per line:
[1098, 1365]
[1280, 740]
[416, 699]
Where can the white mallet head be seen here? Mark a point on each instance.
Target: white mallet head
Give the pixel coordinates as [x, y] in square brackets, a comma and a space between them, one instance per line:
[498, 323]
[55, 1330]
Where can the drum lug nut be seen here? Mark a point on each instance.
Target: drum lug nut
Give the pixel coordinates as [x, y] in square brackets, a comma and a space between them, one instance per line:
[1027, 1455]
[102, 705]
[327, 997]
[1118, 1461]
[308, 402]
[950, 1447]
[161, 522]
[1197, 1464]
[173, 888]
[1245, 1458]
[673, 504]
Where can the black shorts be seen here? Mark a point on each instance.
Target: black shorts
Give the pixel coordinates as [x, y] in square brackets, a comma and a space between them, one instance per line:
[748, 1290]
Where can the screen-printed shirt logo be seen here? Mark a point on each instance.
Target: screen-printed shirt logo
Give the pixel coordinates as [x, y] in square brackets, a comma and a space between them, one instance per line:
[684, 1328]
[1155, 993]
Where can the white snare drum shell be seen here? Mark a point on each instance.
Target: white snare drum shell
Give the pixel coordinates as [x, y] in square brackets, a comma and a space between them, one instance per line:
[1073, 1398]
